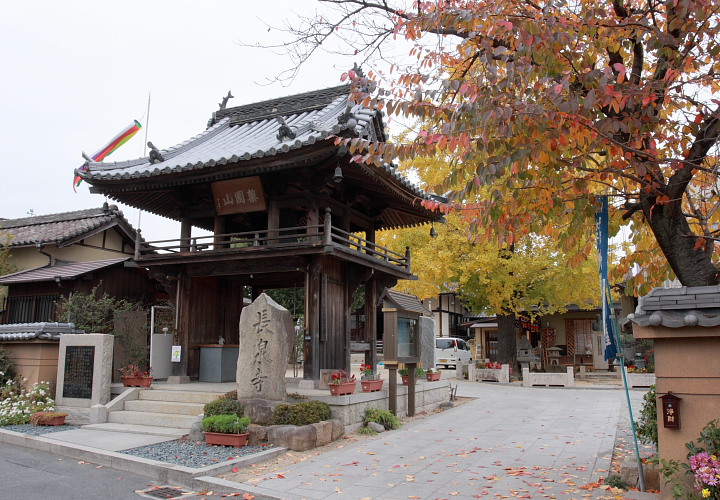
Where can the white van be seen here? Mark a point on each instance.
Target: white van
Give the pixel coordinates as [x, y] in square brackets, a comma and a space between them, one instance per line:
[450, 351]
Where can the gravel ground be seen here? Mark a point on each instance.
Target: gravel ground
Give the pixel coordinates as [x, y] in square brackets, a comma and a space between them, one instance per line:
[37, 430]
[191, 453]
[179, 452]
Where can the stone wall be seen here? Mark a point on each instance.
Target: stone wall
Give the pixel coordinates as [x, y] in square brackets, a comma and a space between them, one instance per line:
[531, 379]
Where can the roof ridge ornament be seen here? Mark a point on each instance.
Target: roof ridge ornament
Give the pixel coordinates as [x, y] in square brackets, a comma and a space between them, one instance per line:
[155, 156]
[284, 132]
[225, 100]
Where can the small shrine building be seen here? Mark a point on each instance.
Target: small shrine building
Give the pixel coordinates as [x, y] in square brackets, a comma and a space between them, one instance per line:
[286, 208]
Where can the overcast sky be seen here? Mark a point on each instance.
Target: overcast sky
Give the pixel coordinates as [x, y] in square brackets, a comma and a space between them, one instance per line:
[76, 73]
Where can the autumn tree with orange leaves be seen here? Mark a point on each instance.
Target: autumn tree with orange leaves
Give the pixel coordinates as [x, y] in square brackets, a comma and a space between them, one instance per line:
[542, 106]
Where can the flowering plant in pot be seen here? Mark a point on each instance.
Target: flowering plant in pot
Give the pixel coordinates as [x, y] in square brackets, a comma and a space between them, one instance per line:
[226, 430]
[369, 380]
[432, 375]
[342, 383]
[419, 373]
[132, 376]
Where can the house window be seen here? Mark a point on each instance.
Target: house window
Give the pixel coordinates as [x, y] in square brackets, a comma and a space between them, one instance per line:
[491, 345]
[578, 332]
[30, 309]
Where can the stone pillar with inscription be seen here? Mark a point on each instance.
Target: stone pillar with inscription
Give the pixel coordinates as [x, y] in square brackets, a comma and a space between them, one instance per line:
[266, 335]
[84, 370]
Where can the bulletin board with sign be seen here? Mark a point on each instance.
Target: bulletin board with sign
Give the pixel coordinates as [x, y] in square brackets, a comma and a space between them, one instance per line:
[239, 196]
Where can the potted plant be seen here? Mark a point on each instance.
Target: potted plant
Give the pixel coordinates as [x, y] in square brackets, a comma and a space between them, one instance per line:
[132, 376]
[369, 380]
[226, 430]
[342, 383]
[432, 375]
[48, 418]
[419, 373]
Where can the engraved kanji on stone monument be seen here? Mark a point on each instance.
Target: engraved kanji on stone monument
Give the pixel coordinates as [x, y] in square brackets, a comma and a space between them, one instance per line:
[266, 330]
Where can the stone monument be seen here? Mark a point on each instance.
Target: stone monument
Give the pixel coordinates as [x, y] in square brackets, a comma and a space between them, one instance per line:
[266, 335]
[427, 342]
[84, 373]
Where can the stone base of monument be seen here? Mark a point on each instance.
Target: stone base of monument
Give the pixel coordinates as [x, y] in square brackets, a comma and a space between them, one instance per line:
[297, 437]
[260, 411]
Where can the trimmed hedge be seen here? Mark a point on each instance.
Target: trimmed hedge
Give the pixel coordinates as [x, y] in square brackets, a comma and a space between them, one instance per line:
[224, 406]
[304, 413]
[226, 424]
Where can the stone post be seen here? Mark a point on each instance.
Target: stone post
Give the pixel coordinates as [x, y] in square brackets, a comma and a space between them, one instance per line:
[684, 324]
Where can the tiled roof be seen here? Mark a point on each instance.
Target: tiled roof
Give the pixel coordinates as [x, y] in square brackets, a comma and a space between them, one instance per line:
[63, 271]
[27, 331]
[679, 307]
[248, 132]
[404, 301]
[61, 227]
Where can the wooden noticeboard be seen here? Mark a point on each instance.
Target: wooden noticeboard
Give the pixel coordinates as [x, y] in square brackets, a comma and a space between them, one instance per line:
[238, 196]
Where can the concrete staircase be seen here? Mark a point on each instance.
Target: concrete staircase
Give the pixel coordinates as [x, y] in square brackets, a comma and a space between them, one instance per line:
[158, 411]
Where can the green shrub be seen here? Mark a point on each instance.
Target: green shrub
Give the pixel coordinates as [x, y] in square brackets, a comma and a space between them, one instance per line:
[382, 417]
[7, 370]
[226, 424]
[224, 406]
[367, 431]
[647, 426]
[615, 481]
[419, 372]
[303, 413]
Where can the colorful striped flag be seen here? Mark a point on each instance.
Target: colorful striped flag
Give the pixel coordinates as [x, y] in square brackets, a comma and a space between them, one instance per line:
[121, 138]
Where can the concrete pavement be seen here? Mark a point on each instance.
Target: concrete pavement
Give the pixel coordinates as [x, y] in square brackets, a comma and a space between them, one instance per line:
[508, 441]
[522, 442]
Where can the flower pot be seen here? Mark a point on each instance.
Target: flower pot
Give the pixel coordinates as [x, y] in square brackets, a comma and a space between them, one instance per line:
[404, 379]
[137, 381]
[54, 421]
[220, 439]
[342, 389]
[371, 385]
[432, 377]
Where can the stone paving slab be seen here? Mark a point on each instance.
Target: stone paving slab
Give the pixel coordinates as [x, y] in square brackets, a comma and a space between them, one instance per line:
[514, 441]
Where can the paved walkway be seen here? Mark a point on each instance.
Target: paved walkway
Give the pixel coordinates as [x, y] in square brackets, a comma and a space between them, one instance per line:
[509, 442]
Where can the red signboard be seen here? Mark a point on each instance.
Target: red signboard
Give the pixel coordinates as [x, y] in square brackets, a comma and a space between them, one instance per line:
[238, 195]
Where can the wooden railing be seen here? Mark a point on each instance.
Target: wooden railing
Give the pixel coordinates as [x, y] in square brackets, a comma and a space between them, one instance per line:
[272, 239]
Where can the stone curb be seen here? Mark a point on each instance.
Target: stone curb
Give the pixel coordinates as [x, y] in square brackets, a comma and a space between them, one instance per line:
[154, 469]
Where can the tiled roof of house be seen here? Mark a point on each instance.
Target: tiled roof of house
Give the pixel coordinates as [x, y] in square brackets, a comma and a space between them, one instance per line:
[404, 301]
[252, 131]
[61, 227]
[58, 272]
[27, 331]
[679, 307]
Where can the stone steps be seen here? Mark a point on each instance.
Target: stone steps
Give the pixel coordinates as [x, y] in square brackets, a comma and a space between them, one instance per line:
[168, 407]
[152, 419]
[163, 408]
[179, 396]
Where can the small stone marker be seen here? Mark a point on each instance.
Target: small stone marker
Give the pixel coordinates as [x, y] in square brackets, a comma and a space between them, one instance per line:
[266, 333]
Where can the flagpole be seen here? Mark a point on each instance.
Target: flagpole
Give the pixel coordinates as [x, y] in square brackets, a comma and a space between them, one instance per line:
[641, 474]
[610, 328]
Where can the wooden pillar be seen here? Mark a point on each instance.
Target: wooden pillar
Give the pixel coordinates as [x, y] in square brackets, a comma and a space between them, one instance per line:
[311, 343]
[370, 237]
[273, 223]
[411, 389]
[313, 220]
[370, 333]
[219, 230]
[185, 234]
[180, 369]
